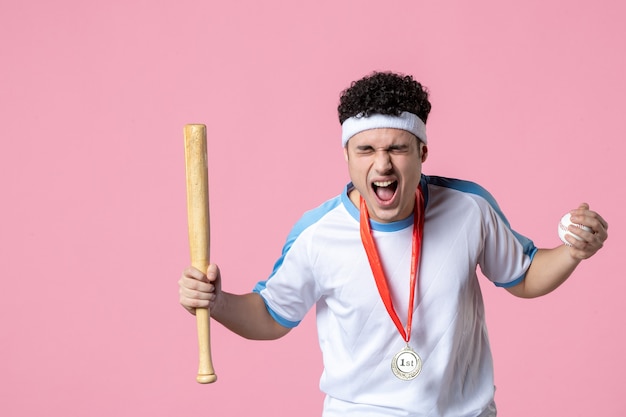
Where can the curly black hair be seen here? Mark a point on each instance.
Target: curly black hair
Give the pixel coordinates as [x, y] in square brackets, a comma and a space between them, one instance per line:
[384, 93]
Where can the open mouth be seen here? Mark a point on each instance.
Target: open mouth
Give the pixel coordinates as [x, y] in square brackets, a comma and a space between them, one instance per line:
[385, 190]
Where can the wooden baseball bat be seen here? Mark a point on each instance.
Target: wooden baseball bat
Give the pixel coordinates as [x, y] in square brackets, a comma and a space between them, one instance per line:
[199, 234]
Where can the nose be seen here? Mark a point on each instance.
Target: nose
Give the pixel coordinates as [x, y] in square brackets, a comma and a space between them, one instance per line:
[382, 162]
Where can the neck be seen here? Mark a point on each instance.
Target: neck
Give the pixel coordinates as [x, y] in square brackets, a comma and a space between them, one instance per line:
[355, 197]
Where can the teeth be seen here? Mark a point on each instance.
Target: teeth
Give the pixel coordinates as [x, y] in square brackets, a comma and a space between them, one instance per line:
[383, 183]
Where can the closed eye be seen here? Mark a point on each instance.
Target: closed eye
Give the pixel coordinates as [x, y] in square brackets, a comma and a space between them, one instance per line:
[364, 149]
[398, 149]
[393, 149]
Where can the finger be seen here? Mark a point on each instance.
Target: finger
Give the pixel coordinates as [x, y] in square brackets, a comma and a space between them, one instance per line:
[192, 284]
[583, 206]
[191, 298]
[194, 273]
[191, 304]
[603, 223]
[584, 216]
[592, 220]
[579, 214]
[186, 293]
[583, 235]
[582, 249]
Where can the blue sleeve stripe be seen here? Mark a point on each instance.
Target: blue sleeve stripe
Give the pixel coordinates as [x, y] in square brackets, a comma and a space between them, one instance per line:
[473, 188]
[282, 321]
[308, 219]
[279, 319]
[518, 280]
[470, 187]
[260, 286]
[510, 284]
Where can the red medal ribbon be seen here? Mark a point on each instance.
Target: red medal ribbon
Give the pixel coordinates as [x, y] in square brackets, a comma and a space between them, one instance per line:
[377, 267]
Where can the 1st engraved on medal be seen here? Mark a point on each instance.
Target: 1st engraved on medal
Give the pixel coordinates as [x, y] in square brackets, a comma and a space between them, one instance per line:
[406, 364]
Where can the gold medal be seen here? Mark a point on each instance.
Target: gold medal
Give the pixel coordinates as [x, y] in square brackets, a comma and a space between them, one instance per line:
[406, 364]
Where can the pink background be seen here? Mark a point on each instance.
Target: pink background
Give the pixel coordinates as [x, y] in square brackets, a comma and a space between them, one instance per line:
[528, 100]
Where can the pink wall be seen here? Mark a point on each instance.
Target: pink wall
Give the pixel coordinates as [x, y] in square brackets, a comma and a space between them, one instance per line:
[528, 100]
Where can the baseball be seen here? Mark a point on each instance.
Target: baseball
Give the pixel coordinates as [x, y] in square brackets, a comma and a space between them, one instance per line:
[564, 224]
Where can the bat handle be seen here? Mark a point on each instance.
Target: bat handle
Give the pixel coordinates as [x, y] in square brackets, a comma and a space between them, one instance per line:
[206, 374]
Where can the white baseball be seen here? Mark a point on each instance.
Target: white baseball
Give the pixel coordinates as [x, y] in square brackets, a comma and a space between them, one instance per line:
[564, 224]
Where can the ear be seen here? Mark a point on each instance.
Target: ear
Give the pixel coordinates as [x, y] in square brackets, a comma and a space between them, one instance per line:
[424, 152]
[345, 153]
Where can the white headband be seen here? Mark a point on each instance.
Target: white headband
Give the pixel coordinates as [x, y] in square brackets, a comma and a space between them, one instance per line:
[406, 121]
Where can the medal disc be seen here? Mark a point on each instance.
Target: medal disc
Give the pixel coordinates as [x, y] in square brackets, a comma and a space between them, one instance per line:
[406, 364]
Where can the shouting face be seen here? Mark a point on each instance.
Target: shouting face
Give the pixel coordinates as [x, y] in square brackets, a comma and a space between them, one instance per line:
[385, 167]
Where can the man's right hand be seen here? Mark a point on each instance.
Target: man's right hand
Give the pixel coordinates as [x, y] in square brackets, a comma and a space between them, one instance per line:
[199, 290]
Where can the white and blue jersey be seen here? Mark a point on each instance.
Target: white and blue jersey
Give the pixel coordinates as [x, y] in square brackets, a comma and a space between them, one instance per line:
[324, 264]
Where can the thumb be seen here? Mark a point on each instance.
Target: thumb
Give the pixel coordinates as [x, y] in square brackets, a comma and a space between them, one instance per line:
[213, 272]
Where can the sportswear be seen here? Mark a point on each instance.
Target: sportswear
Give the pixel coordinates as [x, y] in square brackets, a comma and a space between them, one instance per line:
[324, 264]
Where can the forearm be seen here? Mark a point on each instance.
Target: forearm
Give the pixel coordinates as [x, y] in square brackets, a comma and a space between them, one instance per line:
[551, 267]
[247, 316]
[548, 270]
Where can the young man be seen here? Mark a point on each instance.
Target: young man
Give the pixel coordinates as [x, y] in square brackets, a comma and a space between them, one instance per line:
[390, 265]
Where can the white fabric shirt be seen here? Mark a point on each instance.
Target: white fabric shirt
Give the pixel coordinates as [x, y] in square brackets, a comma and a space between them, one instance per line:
[324, 264]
